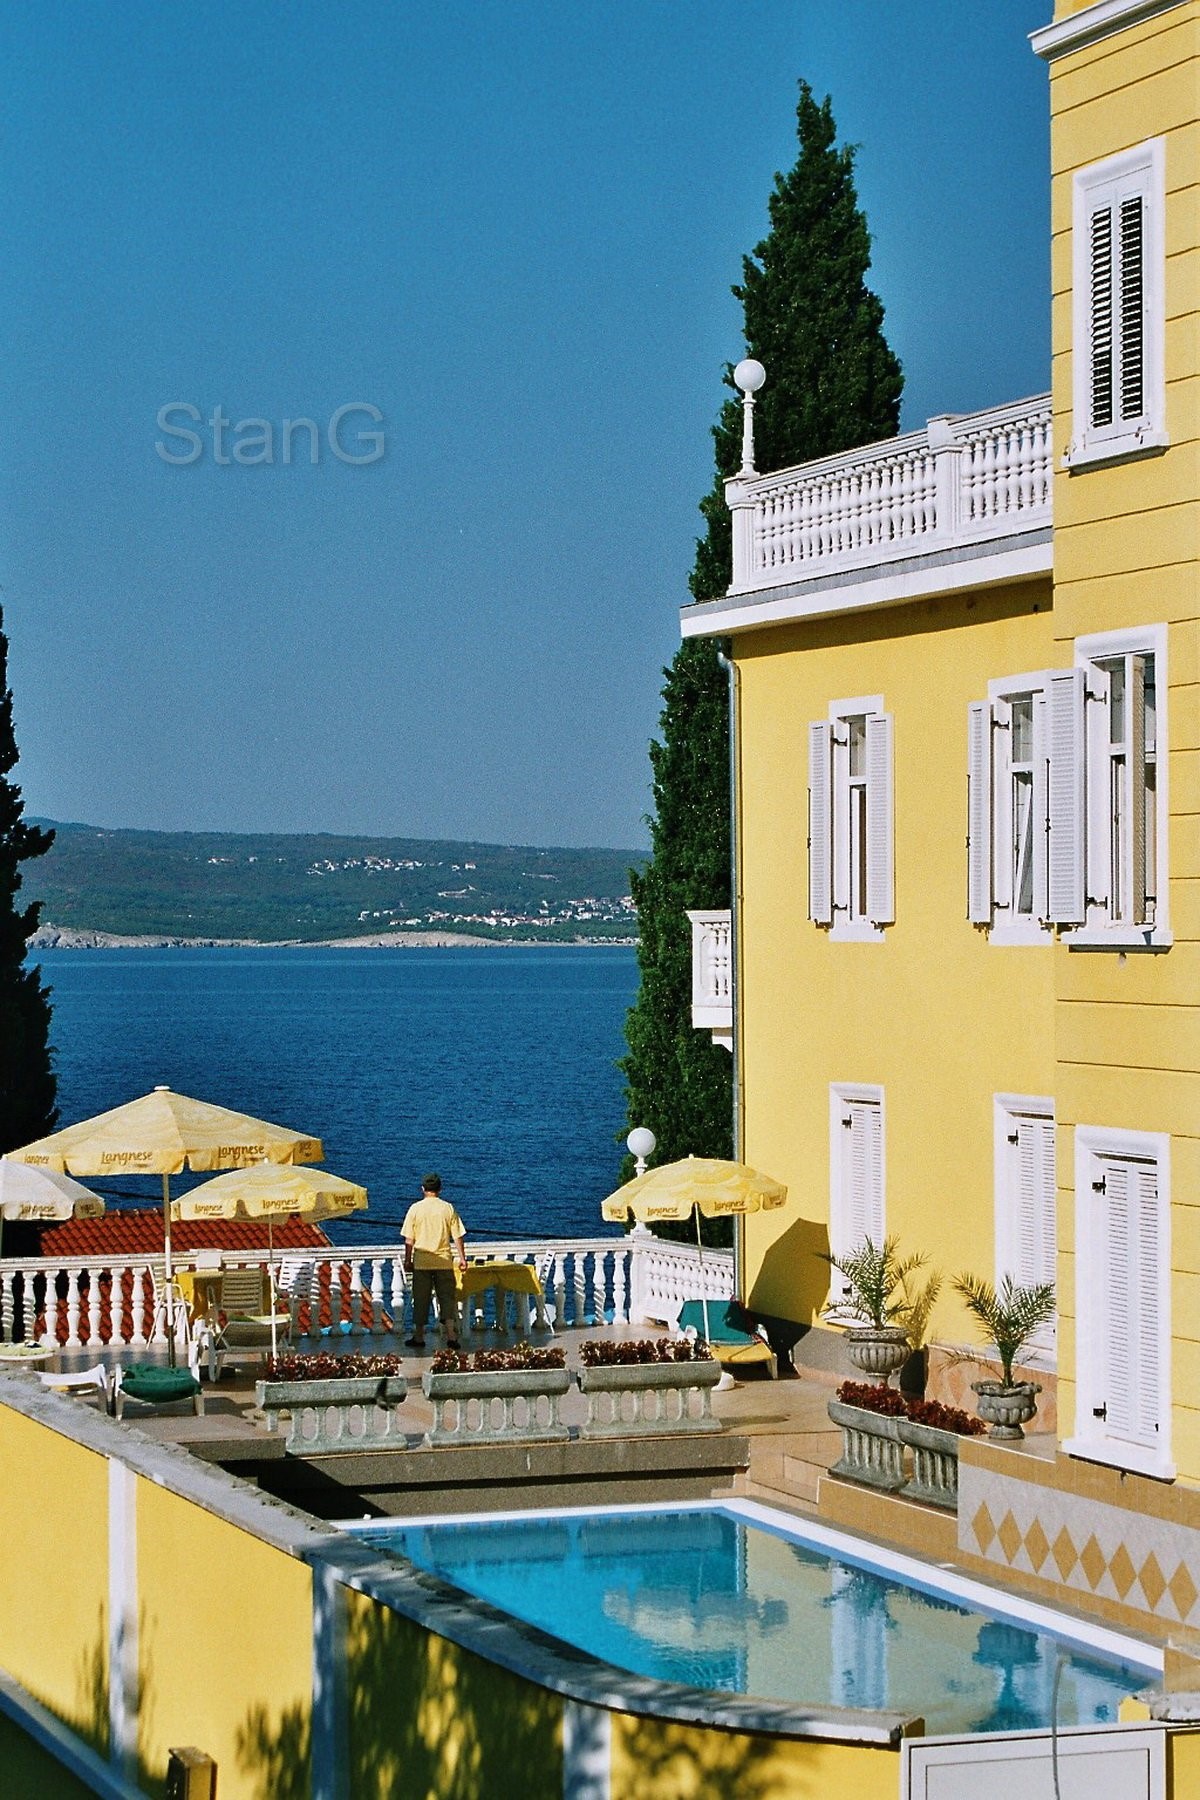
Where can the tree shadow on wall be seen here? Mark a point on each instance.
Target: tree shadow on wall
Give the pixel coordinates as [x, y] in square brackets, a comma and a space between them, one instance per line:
[660, 1762]
[424, 1720]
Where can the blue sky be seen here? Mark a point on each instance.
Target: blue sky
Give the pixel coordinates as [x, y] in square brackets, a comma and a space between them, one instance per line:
[511, 226]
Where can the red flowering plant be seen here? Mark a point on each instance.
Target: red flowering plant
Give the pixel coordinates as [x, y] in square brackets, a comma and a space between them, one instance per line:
[499, 1362]
[323, 1367]
[608, 1353]
[894, 1405]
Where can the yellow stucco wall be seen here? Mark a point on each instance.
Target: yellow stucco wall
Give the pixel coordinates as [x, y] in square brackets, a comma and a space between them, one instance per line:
[1127, 542]
[934, 1014]
[655, 1760]
[54, 1573]
[224, 1644]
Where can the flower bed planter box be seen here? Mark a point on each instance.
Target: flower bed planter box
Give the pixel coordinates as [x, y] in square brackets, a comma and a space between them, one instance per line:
[872, 1451]
[935, 1464]
[352, 1413]
[500, 1406]
[649, 1399]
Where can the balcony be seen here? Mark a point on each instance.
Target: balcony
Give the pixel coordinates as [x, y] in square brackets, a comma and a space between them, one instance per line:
[962, 504]
[712, 975]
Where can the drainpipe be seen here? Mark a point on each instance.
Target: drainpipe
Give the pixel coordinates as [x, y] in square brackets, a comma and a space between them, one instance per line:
[735, 971]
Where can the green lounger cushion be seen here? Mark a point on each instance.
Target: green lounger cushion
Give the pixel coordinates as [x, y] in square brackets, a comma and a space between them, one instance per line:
[146, 1381]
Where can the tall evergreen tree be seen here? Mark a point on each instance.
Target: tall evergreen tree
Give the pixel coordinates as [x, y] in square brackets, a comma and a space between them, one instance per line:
[27, 1082]
[832, 383]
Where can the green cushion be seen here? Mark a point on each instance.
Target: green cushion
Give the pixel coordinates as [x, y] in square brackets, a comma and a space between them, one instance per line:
[691, 1314]
[146, 1381]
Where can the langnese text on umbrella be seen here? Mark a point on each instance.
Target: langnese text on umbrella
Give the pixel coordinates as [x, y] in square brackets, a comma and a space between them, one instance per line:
[256, 443]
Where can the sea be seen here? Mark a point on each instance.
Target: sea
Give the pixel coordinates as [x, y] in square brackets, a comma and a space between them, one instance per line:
[494, 1066]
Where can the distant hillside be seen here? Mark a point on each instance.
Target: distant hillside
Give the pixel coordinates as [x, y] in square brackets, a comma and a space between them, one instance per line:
[283, 888]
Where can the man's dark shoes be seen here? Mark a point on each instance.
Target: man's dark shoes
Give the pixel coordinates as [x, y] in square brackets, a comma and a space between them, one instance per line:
[414, 1343]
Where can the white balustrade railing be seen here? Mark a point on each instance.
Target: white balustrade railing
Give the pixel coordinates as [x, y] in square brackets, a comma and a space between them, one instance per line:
[964, 479]
[360, 1289]
[712, 972]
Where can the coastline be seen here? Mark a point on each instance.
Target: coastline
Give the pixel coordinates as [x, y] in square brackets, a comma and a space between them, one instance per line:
[63, 937]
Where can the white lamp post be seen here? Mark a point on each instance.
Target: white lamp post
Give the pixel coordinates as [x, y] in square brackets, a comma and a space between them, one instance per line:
[640, 1143]
[749, 376]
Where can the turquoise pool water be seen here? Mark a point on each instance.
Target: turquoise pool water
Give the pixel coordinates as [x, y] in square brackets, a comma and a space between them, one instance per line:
[706, 1597]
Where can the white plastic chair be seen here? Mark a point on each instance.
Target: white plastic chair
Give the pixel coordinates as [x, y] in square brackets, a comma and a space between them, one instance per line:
[96, 1379]
[296, 1288]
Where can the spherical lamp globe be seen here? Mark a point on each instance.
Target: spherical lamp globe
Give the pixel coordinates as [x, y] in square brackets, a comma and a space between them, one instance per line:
[749, 375]
[641, 1143]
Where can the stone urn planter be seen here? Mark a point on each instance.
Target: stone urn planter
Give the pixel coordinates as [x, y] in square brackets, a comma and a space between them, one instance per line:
[649, 1399]
[878, 1350]
[509, 1406]
[1006, 1409]
[872, 1451]
[935, 1464]
[343, 1413]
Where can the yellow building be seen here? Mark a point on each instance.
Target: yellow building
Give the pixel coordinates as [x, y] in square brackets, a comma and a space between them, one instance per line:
[967, 969]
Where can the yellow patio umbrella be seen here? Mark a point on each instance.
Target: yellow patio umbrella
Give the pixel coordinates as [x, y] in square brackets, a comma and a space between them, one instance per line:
[162, 1134]
[267, 1191]
[699, 1184]
[30, 1193]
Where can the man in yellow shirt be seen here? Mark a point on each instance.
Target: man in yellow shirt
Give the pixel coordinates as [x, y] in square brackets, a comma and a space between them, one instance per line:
[433, 1239]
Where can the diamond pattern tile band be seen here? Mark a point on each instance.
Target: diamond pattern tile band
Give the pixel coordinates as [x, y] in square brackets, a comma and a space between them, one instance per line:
[1149, 1564]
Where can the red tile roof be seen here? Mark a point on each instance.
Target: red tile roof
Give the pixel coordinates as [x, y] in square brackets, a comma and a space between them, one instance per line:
[140, 1233]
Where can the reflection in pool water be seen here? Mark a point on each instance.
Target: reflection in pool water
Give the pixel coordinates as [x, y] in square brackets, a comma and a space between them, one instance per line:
[705, 1598]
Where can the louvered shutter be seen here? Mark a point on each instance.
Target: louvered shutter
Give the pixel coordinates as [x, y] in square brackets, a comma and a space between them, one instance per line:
[820, 824]
[1133, 1372]
[979, 813]
[1147, 1394]
[1101, 315]
[1065, 796]
[862, 1171]
[1035, 1233]
[1040, 812]
[1137, 789]
[881, 875]
[1132, 308]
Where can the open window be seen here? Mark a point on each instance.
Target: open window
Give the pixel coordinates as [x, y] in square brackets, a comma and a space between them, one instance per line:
[851, 874]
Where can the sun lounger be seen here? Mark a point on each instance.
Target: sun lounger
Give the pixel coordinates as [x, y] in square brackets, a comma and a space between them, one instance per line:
[734, 1349]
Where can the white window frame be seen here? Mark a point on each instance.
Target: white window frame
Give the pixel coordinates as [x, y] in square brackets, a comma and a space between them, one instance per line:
[1140, 172]
[1091, 1440]
[1100, 929]
[1008, 1110]
[841, 1093]
[860, 861]
[991, 900]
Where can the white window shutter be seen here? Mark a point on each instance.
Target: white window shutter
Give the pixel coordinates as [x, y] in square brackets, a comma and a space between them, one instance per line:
[1137, 789]
[1118, 1334]
[979, 813]
[881, 875]
[1101, 321]
[1131, 317]
[1041, 822]
[1146, 1398]
[1048, 1181]
[862, 1165]
[820, 823]
[1065, 796]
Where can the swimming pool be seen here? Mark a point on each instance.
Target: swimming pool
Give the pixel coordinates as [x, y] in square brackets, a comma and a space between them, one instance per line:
[736, 1598]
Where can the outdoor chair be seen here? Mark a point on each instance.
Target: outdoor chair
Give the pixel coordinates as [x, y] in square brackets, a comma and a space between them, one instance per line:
[733, 1348]
[543, 1268]
[153, 1385]
[297, 1287]
[177, 1312]
[85, 1382]
[237, 1317]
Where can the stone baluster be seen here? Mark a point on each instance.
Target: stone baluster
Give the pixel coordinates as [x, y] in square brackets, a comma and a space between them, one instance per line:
[137, 1306]
[580, 1288]
[6, 1306]
[377, 1325]
[74, 1341]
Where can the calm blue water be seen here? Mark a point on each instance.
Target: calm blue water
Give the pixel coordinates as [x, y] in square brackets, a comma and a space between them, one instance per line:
[493, 1066]
[703, 1598]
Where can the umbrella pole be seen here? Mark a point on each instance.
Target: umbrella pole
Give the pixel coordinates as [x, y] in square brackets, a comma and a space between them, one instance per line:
[700, 1252]
[271, 1281]
[168, 1271]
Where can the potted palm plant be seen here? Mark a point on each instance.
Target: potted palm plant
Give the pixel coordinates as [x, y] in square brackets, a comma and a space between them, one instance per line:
[879, 1306]
[1008, 1319]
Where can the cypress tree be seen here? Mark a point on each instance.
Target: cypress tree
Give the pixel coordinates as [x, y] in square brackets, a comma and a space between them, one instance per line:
[27, 1082]
[832, 383]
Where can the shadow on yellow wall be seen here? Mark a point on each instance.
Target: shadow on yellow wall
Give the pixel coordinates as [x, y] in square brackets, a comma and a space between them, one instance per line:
[793, 1281]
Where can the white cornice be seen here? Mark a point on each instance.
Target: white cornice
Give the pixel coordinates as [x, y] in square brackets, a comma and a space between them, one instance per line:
[1093, 24]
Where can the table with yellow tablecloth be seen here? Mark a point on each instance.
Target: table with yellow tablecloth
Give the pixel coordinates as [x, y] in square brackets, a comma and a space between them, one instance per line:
[503, 1278]
[200, 1290]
